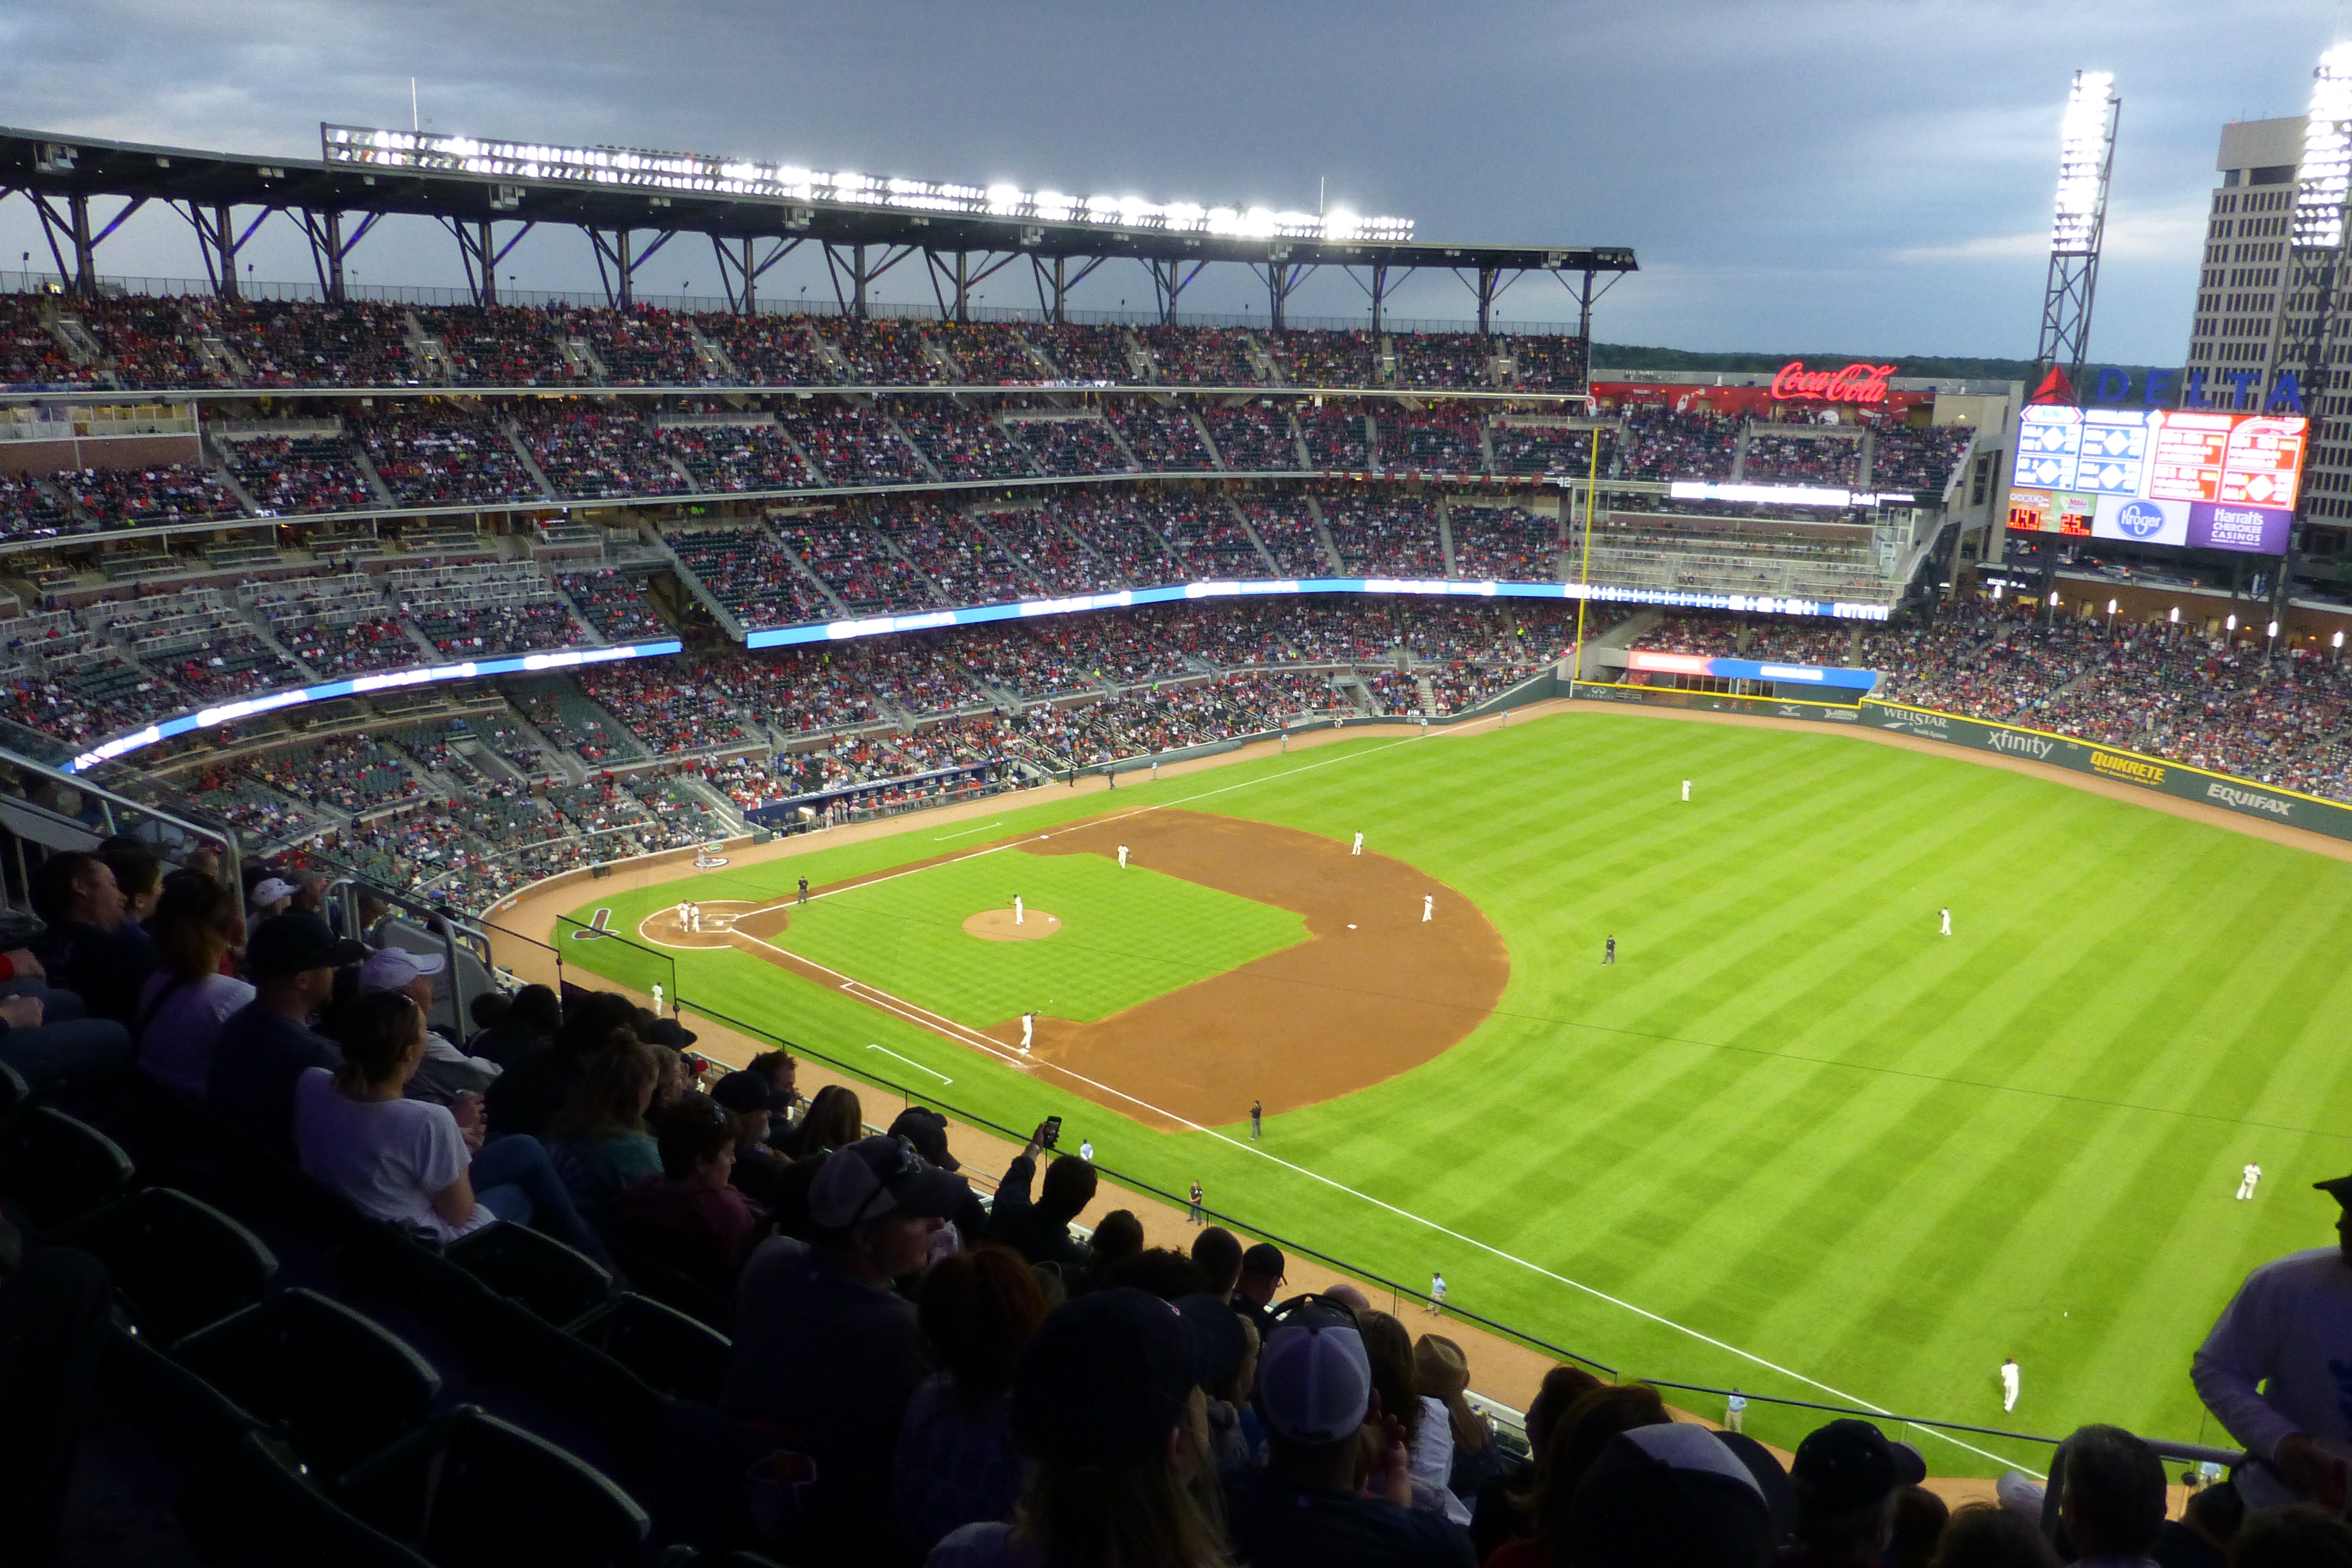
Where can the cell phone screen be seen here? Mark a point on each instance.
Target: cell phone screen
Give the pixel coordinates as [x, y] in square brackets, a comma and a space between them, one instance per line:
[1053, 1130]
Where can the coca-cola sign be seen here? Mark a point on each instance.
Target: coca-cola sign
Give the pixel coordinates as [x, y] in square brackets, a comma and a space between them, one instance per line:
[1856, 382]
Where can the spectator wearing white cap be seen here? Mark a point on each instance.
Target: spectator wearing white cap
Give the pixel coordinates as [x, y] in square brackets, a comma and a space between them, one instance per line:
[447, 1070]
[270, 896]
[827, 1353]
[1315, 1393]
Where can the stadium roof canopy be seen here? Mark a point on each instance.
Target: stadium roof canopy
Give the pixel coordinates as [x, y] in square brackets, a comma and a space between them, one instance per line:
[632, 204]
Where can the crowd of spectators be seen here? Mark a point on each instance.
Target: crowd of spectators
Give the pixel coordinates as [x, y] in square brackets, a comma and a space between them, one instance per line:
[1252, 437]
[1917, 460]
[1162, 434]
[853, 444]
[639, 347]
[500, 345]
[1504, 545]
[968, 564]
[1286, 529]
[1663, 443]
[962, 443]
[987, 354]
[134, 497]
[1091, 354]
[1434, 361]
[672, 706]
[1200, 356]
[288, 343]
[1441, 439]
[864, 574]
[1065, 445]
[1321, 358]
[1396, 537]
[614, 603]
[593, 454]
[1211, 541]
[31, 508]
[291, 476]
[1336, 440]
[1780, 459]
[726, 458]
[440, 457]
[1047, 551]
[31, 356]
[1523, 449]
[748, 573]
[882, 353]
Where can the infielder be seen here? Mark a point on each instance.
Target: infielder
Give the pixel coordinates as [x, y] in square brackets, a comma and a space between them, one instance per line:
[1359, 849]
[681, 914]
[694, 913]
[1028, 1031]
[1947, 928]
[1122, 857]
[1428, 907]
[2247, 1180]
[1017, 911]
[1686, 792]
[2009, 1376]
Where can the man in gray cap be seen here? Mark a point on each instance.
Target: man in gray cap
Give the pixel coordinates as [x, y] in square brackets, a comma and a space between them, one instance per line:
[1315, 1393]
[2289, 1327]
[826, 1351]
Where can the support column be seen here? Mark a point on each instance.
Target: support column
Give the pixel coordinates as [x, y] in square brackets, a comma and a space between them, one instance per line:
[1379, 296]
[224, 246]
[332, 224]
[486, 254]
[751, 306]
[626, 269]
[857, 281]
[1061, 292]
[85, 282]
[1485, 301]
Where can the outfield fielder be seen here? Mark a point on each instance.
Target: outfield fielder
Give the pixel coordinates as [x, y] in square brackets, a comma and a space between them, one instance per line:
[1122, 857]
[2247, 1181]
[1947, 930]
[2009, 1376]
[1686, 792]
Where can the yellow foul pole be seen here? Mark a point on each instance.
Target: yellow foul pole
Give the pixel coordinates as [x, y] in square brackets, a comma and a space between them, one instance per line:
[1584, 567]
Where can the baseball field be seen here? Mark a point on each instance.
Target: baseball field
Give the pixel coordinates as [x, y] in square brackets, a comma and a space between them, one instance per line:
[1792, 1140]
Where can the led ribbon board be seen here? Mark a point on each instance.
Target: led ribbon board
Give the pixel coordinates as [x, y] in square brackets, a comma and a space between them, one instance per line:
[359, 686]
[2178, 477]
[1827, 677]
[1441, 587]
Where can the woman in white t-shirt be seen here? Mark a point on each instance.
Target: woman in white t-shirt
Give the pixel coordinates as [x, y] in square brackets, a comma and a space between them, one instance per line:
[187, 998]
[389, 1156]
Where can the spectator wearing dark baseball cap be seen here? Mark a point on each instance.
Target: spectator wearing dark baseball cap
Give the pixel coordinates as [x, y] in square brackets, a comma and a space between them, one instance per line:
[1102, 1401]
[926, 1129]
[266, 1046]
[1668, 1496]
[1846, 1477]
[1315, 1395]
[827, 1353]
[752, 1100]
[1260, 1283]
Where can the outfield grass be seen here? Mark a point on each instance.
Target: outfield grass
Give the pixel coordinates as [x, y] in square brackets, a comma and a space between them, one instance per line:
[1793, 1126]
[1124, 937]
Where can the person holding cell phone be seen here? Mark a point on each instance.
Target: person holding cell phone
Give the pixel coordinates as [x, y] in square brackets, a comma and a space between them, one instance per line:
[1039, 1228]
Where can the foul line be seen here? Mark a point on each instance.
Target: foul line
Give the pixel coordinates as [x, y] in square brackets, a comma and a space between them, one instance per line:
[967, 833]
[912, 1063]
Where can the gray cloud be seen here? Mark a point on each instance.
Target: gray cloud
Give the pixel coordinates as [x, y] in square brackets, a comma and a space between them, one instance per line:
[1864, 174]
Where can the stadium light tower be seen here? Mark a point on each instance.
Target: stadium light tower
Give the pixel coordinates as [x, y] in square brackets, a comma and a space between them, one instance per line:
[2086, 156]
[2323, 186]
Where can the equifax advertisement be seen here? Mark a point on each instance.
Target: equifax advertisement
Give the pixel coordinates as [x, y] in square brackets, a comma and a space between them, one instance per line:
[2208, 480]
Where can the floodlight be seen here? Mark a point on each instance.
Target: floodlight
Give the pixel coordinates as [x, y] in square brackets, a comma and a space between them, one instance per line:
[2084, 137]
[2111, 606]
[2175, 617]
[2339, 640]
[2053, 598]
[695, 173]
[2324, 183]
[2273, 630]
[2232, 623]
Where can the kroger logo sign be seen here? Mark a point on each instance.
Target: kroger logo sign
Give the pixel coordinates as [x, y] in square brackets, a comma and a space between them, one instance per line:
[2139, 520]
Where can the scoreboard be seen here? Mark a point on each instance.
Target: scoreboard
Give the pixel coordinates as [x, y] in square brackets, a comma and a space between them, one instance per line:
[2184, 477]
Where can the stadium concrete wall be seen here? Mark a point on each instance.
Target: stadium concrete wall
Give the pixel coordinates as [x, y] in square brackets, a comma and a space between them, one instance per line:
[2158, 775]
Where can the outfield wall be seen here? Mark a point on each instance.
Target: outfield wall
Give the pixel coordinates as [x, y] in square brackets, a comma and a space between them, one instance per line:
[2159, 776]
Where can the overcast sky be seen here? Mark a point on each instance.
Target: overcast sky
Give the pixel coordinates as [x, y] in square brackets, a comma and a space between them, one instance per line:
[1863, 175]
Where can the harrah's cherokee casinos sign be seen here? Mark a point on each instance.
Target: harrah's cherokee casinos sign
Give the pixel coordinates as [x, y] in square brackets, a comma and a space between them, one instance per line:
[1855, 383]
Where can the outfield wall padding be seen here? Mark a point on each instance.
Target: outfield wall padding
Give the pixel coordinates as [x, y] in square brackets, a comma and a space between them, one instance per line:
[2158, 775]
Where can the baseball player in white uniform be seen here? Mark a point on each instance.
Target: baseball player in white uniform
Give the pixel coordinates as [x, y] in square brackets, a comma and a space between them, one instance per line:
[694, 913]
[1017, 911]
[1028, 1031]
[1947, 928]
[1122, 857]
[2009, 1376]
[1428, 907]
[2247, 1180]
[1685, 791]
[658, 1001]
[1359, 849]
[681, 914]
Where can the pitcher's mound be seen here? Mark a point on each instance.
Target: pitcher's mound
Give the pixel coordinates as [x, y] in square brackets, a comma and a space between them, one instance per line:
[996, 925]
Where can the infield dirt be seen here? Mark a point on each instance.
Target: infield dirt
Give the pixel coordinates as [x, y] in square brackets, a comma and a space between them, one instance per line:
[1374, 990]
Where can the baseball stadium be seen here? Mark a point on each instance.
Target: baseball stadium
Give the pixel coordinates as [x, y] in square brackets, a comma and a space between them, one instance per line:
[1816, 892]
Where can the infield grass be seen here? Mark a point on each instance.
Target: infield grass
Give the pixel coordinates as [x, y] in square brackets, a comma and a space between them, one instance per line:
[1794, 1140]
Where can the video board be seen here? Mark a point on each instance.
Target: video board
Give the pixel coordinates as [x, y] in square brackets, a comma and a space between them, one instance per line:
[2157, 476]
